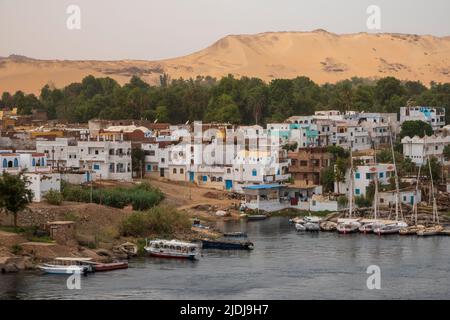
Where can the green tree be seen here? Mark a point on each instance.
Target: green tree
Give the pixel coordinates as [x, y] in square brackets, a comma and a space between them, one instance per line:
[415, 128]
[162, 114]
[327, 179]
[138, 160]
[224, 109]
[14, 194]
[340, 168]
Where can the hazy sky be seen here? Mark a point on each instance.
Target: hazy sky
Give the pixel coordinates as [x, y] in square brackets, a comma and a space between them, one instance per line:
[151, 29]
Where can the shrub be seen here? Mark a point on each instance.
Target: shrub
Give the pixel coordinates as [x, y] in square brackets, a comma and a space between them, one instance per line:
[54, 197]
[141, 197]
[16, 249]
[161, 220]
[362, 202]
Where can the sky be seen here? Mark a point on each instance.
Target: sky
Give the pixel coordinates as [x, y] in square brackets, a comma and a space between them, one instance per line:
[151, 29]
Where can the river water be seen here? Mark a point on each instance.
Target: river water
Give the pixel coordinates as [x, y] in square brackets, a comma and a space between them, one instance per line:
[285, 264]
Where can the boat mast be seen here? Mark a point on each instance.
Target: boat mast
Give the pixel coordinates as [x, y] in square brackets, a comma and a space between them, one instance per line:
[350, 198]
[432, 193]
[416, 192]
[397, 198]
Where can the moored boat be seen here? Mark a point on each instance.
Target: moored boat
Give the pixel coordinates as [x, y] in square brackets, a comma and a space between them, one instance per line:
[391, 228]
[101, 267]
[172, 249]
[412, 230]
[346, 227]
[68, 266]
[296, 220]
[300, 227]
[431, 231]
[312, 226]
[255, 217]
[235, 234]
[328, 226]
[227, 245]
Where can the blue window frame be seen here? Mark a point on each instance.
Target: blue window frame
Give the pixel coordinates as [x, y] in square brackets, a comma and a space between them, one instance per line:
[149, 167]
[357, 175]
[254, 173]
[5, 163]
[96, 167]
[381, 174]
[16, 163]
[205, 178]
[368, 175]
[33, 162]
[357, 191]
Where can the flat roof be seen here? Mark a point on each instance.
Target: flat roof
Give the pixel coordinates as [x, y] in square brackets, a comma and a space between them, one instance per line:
[263, 186]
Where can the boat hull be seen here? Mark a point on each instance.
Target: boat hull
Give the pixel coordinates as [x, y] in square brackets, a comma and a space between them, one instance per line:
[167, 255]
[110, 266]
[226, 245]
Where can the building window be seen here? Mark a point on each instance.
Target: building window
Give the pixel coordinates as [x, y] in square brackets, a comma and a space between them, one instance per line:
[254, 172]
[381, 174]
[149, 167]
[182, 171]
[163, 160]
[96, 166]
[357, 191]
[357, 175]
[151, 152]
[368, 176]
[5, 163]
[174, 170]
[16, 163]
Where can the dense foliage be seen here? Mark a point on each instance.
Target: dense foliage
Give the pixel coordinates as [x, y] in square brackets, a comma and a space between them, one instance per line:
[141, 197]
[161, 220]
[241, 101]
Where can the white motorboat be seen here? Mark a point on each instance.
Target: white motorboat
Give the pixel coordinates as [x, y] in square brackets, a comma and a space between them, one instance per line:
[172, 249]
[68, 266]
[368, 227]
[300, 227]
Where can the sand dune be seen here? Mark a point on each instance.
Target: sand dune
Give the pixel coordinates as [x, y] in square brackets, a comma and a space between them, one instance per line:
[320, 55]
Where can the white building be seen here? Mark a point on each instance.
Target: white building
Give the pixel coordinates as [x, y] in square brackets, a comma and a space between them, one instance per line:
[362, 177]
[35, 169]
[434, 116]
[419, 149]
[103, 159]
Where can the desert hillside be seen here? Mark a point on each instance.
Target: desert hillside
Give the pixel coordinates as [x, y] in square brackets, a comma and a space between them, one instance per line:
[320, 55]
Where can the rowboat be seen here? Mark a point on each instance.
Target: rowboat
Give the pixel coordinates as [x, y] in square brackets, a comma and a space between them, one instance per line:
[431, 231]
[412, 230]
[328, 226]
[227, 245]
[255, 217]
[172, 249]
[68, 266]
[235, 234]
[101, 267]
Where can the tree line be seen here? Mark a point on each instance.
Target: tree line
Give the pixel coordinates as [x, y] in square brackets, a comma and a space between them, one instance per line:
[229, 99]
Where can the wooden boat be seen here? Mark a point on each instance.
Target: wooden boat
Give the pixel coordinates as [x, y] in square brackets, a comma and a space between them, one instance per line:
[296, 220]
[227, 245]
[328, 226]
[431, 231]
[172, 249]
[312, 219]
[68, 266]
[255, 217]
[128, 248]
[101, 267]
[348, 227]
[412, 230]
[235, 234]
